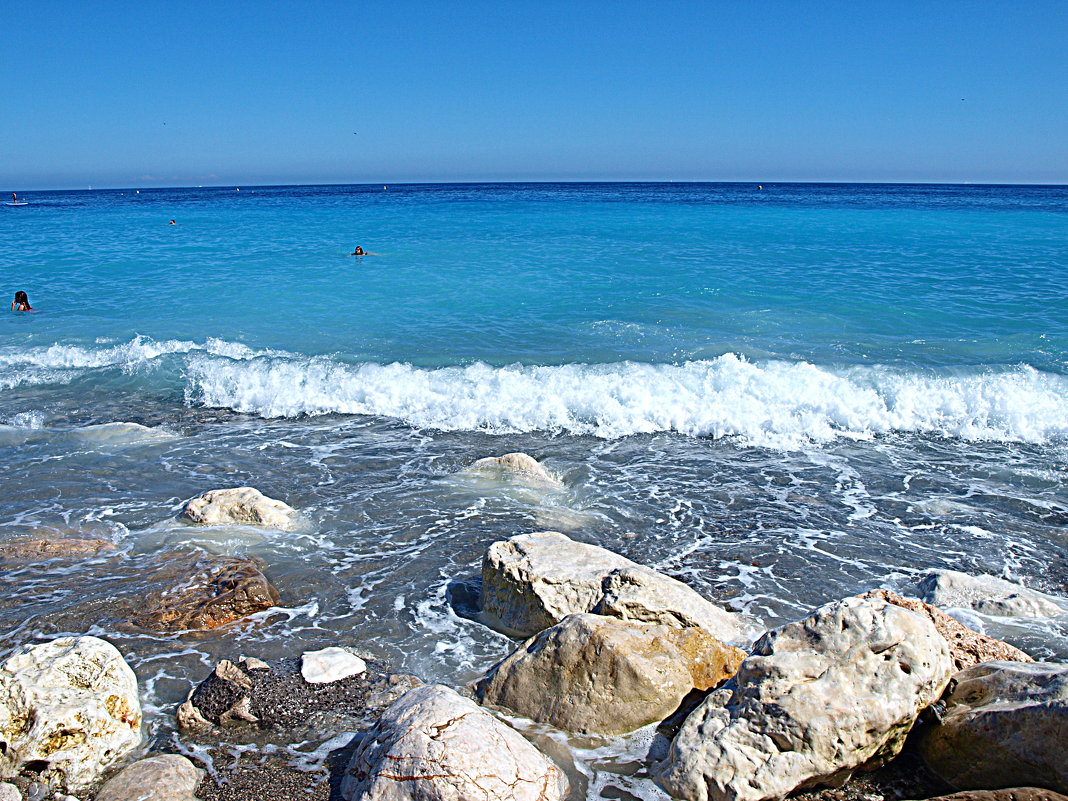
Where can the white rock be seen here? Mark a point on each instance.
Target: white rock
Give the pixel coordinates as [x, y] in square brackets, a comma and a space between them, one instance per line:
[1005, 724]
[987, 595]
[533, 581]
[815, 700]
[600, 675]
[9, 792]
[518, 466]
[432, 744]
[167, 777]
[70, 703]
[241, 506]
[330, 664]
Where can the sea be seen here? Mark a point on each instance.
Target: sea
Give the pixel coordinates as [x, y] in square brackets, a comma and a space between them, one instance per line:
[782, 395]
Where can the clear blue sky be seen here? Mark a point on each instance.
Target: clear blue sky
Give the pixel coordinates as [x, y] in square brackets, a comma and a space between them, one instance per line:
[184, 93]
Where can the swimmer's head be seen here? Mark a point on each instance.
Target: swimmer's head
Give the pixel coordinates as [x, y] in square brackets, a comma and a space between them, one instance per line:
[20, 297]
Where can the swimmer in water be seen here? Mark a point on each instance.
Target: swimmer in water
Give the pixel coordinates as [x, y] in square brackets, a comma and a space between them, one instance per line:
[21, 302]
[359, 251]
[172, 222]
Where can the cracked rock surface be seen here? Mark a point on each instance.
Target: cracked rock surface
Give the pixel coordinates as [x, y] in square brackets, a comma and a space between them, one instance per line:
[435, 745]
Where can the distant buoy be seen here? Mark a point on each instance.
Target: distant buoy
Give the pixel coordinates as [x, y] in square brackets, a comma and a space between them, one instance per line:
[238, 189]
[759, 186]
[384, 187]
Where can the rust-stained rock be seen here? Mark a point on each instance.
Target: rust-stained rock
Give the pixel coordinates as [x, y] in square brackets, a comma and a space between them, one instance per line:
[203, 591]
[39, 550]
[967, 647]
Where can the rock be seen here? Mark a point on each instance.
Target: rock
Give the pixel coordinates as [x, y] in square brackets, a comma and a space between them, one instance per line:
[600, 675]
[967, 647]
[167, 777]
[988, 595]
[1011, 794]
[330, 664]
[70, 705]
[533, 581]
[518, 466]
[203, 591]
[9, 792]
[434, 744]
[1004, 724]
[274, 694]
[39, 550]
[815, 700]
[244, 506]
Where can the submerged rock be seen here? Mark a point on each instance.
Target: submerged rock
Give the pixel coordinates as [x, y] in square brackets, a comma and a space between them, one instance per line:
[69, 708]
[967, 647]
[988, 595]
[203, 591]
[533, 581]
[816, 700]
[1004, 724]
[519, 466]
[600, 675]
[240, 506]
[435, 744]
[39, 550]
[167, 777]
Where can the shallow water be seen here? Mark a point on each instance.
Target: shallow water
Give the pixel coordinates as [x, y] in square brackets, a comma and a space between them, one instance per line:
[781, 399]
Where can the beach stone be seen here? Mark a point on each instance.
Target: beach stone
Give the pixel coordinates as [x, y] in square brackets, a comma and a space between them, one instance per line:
[9, 792]
[1004, 724]
[967, 647]
[39, 550]
[518, 466]
[330, 664]
[988, 595]
[245, 506]
[1010, 794]
[167, 777]
[816, 700]
[435, 745]
[204, 591]
[69, 705]
[533, 581]
[600, 675]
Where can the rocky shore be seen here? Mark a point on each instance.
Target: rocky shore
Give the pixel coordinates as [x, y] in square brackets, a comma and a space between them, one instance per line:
[870, 697]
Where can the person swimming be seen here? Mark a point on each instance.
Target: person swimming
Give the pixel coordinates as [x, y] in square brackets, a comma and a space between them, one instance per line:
[21, 302]
[359, 251]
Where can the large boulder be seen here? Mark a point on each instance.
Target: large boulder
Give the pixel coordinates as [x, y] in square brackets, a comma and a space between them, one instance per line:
[519, 467]
[967, 647]
[815, 700]
[69, 709]
[533, 581]
[243, 506]
[435, 745]
[166, 777]
[204, 591]
[601, 675]
[1004, 724]
[987, 595]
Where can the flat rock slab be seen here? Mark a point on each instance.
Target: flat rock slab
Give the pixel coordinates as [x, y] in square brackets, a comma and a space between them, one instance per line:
[433, 744]
[988, 595]
[330, 664]
[167, 777]
[40, 550]
[240, 506]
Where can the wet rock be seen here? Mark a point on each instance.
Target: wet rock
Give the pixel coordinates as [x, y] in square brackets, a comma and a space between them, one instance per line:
[600, 675]
[1011, 794]
[204, 591]
[167, 777]
[330, 664]
[69, 708]
[518, 466]
[435, 744]
[988, 595]
[533, 581]
[1004, 724]
[240, 506]
[816, 700]
[278, 696]
[9, 792]
[967, 647]
[39, 550]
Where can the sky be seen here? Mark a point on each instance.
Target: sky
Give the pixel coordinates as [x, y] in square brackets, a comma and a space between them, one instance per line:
[131, 94]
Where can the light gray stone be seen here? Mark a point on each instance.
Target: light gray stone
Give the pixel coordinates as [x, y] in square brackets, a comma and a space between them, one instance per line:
[240, 506]
[167, 777]
[9, 792]
[433, 744]
[988, 595]
[533, 581]
[330, 664]
[601, 675]
[815, 700]
[518, 466]
[71, 704]
[1004, 724]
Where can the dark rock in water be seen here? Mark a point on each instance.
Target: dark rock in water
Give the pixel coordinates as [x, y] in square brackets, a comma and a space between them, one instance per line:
[204, 591]
[274, 695]
[39, 550]
[1010, 794]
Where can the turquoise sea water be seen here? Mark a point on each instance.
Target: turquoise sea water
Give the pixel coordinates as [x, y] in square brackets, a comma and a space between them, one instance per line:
[783, 396]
